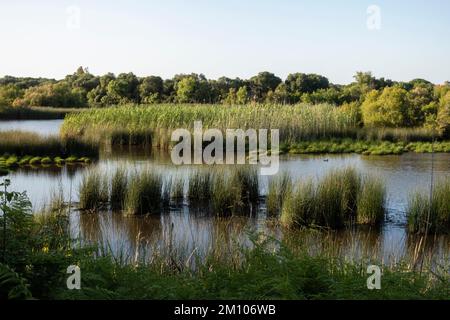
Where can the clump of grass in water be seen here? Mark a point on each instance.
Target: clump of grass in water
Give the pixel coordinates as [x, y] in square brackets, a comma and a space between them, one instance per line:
[299, 207]
[144, 193]
[177, 190]
[279, 188]
[247, 179]
[336, 194]
[371, 201]
[226, 195]
[119, 185]
[200, 186]
[93, 191]
[433, 216]
[339, 198]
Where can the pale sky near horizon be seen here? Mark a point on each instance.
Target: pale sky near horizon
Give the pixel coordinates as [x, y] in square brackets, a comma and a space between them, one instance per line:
[226, 38]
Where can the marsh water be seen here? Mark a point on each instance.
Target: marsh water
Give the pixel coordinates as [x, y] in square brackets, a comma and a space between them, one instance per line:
[186, 231]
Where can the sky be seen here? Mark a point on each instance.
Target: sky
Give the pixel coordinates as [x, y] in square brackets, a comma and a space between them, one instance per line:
[400, 40]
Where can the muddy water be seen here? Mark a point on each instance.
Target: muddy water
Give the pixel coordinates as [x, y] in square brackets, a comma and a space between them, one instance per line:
[186, 231]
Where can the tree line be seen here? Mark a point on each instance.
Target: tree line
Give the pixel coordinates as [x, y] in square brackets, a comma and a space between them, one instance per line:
[380, 101]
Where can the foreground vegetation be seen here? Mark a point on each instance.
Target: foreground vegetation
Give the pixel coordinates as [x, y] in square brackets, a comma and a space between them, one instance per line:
[430, 214]
[38, 250]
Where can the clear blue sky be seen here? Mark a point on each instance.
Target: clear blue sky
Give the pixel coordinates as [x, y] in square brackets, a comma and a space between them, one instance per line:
[235, 38]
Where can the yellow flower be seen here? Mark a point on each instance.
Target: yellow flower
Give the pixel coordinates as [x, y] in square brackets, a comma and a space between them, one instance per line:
[45, 249]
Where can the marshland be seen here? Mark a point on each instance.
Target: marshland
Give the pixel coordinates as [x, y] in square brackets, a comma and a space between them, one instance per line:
[105, 194]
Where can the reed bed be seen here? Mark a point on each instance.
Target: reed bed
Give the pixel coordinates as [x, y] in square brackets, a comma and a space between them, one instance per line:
[22, 143]
[427, 215]
[35, 113]
[296, 122]
[340, 198]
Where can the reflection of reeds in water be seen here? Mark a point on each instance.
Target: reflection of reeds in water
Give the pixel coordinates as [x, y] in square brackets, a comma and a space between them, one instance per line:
[427, 215]
[339, 198]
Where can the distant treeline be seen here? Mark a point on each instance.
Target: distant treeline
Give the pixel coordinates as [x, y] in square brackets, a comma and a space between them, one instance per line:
[380, 101]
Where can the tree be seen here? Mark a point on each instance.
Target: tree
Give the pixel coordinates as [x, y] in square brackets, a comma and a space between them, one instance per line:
[9, 93]
[58, 94]
[280, 95]
[261, 84]
[151, 89]
[419, 99]
[124, 89]
[192, 89]
[242, 95]
[443, 116]
[386, 108]
[300, 83]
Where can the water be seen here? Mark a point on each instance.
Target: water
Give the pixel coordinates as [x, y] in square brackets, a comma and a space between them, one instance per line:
[188, 231]
[44, 127]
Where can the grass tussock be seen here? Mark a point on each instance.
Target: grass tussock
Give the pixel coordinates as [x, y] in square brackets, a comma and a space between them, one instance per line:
[279, 188]
[93, 191]
[339, 198]
[427, 215]
[144, 194]
[119, 186]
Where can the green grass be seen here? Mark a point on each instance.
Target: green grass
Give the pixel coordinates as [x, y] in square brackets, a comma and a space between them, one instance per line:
[22, 143]
[430, 216]
[177, 189]
[296, 122]
[93, 191]
[35, 113]
[144, 194]
[303, 128]
[200, 186]
[279, 188]
[371, 202]
[340, 198]
[365, 147]
[119, 184]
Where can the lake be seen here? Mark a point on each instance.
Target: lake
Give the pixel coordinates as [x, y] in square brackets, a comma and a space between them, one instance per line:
[188, 231]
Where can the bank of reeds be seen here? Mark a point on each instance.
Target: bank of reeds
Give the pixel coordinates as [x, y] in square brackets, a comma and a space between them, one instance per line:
[427, 215]
[22, 143]
[339, 198]
[35, 113]
[295, 122]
